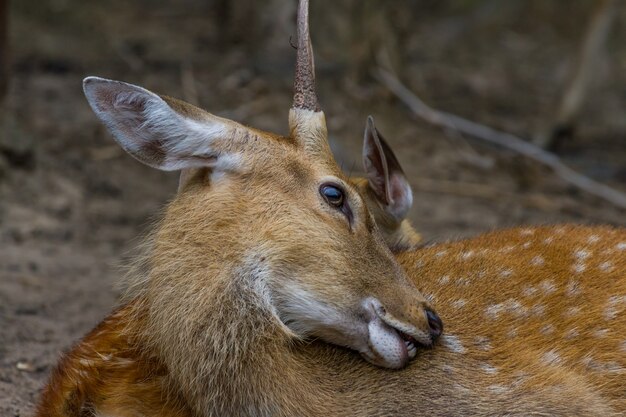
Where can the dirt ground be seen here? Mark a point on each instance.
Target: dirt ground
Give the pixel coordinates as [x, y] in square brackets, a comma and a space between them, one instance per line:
[72, 205]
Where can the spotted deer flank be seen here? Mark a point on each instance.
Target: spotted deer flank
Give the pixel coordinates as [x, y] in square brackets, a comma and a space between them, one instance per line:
[561, 318]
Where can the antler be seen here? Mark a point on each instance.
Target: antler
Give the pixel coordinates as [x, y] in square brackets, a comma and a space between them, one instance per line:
[307, 122]
[304, 96]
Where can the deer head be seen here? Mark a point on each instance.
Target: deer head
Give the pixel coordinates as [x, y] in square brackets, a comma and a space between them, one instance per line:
[264, 223]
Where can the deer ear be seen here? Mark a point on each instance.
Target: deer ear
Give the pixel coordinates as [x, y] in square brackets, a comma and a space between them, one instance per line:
[161, 132]
[384, 174]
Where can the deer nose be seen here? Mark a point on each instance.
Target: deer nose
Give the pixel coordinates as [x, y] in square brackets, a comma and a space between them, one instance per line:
[435, 324]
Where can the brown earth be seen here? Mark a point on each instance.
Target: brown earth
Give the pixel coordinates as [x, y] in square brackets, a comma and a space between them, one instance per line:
[72, 204]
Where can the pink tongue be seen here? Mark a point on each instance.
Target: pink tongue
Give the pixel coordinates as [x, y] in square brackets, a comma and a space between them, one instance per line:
[388, 344]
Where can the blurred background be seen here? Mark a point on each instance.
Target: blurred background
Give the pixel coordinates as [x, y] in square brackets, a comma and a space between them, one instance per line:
[72, 203]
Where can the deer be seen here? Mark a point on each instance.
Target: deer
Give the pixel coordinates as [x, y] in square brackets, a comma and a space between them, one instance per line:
[266, 245]
[176, 346]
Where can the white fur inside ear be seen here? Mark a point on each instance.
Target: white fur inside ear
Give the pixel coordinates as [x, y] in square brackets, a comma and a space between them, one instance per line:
[151, 131]
[200, 135]
[401, 197]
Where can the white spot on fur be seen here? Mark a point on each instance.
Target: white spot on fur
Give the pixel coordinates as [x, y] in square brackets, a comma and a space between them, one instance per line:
[601, 333]
[515, 307]
[571, 311]
[622, 346]
[599, 366]
[510, 306]
[494, 310]
[581, 254]
[551, 357]
[579, 267]
[537, 261]
[613, 367]
[441, 253]
[453, 343]
[506, 273]
[467, 255]
[460, 303]
[610, 313]
[617, 299]
[548, 240]
[526, 245]
[529, 291]
[612, 308]
[571, 334]
[488, 369]
[507, 249]
[444, 279]
[527, 232]
[512, 332]
[593, 239]
[548, 286]
[606, 266]
[621, 246]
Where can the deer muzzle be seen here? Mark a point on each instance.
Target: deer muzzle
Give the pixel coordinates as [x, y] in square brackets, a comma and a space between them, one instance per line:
[394, 342]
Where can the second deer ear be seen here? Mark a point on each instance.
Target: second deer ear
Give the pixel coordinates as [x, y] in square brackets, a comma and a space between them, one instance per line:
[161, 132]
[384, 173]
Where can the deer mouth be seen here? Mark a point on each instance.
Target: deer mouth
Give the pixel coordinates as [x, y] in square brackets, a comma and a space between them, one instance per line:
[410, 343]
[411, 335]
[391, 342]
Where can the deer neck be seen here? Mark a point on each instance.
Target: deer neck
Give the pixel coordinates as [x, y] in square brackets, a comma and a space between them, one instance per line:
[222, 343]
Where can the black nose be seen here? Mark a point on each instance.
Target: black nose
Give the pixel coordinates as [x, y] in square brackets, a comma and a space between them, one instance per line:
[435, 324]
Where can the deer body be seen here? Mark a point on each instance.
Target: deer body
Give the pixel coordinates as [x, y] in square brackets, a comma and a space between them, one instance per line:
[535, 321]
[535, 306]
[268, 274]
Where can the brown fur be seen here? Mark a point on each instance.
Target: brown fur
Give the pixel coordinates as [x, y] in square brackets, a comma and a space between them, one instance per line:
[480, 368]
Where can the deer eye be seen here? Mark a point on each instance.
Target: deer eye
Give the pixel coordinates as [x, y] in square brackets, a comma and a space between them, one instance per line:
[333, 195]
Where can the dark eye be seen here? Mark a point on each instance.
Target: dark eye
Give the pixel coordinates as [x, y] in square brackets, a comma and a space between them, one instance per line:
[333, 195]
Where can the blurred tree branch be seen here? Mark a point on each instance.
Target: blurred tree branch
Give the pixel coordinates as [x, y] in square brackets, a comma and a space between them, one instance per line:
[584, 75]
[452, 122]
